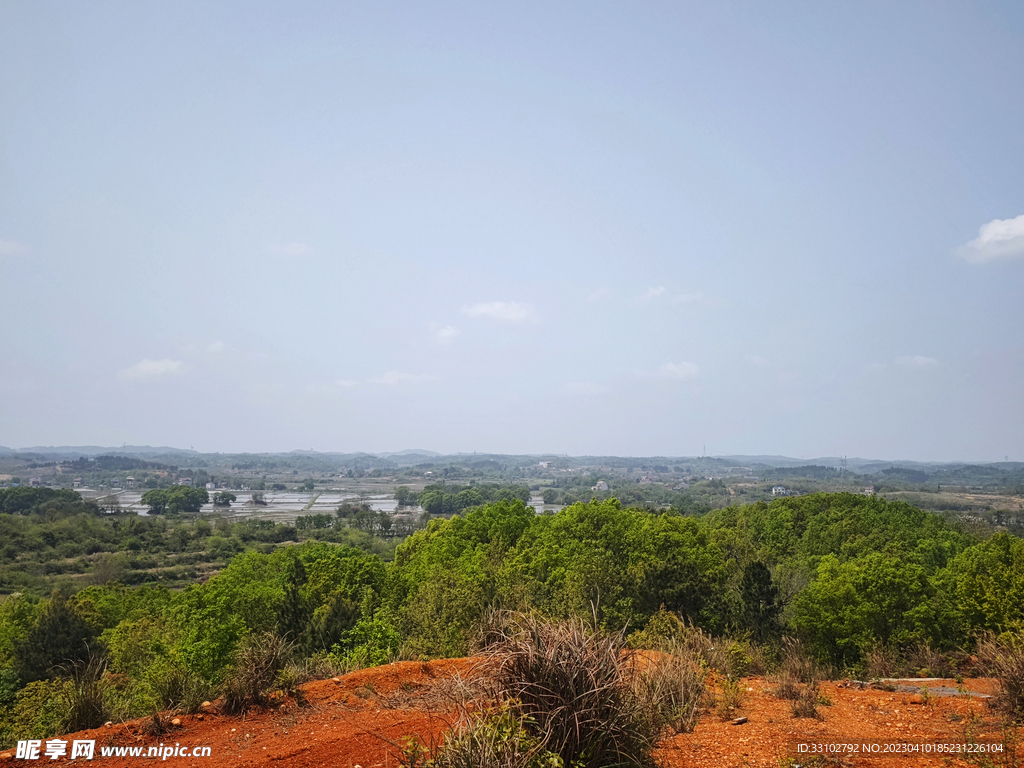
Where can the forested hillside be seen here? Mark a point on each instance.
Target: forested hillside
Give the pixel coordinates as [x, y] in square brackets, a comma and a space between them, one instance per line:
[853, 576]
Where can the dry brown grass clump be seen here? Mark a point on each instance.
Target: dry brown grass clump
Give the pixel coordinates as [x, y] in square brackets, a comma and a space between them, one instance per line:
[798, 669]
[561, 693]
[805, 704]
[672, 689]
[674, 685]
[1003, 658]
[797, 679]
[883, 661]
[494, 738]
[254, 674]
[919, 660]
[573, 688]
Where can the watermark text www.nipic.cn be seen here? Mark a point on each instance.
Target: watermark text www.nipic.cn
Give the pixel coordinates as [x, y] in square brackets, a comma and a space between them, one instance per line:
[85, 749]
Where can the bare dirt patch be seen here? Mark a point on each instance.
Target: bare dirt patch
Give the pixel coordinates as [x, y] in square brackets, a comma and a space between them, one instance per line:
[359, 718]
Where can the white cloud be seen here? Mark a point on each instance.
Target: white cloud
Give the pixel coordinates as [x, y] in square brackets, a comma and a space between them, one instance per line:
[216, 347]
[292, 250]
[585, 388]
[152, 370]
[756, 360]
[446, 334]
[12, 248]
[652, 293]
[999, 239]
[391, 378]
[506, 311]
[678, 371]
[916, 361]
[601, 293]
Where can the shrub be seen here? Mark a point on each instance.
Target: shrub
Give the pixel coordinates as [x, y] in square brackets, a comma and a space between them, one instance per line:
[1003, 657]
[40, 710]
[1012, 748]
[60, 635]
[731, 698]
[498, 739]
[882, 661]
[672, 689]
[806, 702]
[252, 678]
[83, 695]
[674, 684]
[373, 641]
[797, 669]
[737, 660]
[925, 661]
[573, 689]
[797, 679]
[317, 667]
[180, 688]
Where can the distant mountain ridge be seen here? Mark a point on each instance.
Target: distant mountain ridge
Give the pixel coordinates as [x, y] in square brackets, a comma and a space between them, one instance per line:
[412, 456]
[853, 463]
[96, 450]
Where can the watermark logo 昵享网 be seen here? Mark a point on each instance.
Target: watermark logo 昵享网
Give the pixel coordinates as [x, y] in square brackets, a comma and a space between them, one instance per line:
[38, 749]
[35, 749]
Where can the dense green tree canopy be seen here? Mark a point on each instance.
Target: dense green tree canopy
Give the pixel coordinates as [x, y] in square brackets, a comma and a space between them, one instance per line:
[176, 499]
[15, 501]
[845, 573]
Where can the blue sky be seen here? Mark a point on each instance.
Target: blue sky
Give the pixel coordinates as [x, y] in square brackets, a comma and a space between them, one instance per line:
[601, 228]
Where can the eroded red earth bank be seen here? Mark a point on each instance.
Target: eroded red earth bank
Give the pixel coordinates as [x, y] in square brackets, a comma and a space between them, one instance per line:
[362, 718]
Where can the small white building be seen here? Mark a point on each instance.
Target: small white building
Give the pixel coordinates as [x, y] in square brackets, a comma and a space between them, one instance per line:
[779, 490]
[601, 486]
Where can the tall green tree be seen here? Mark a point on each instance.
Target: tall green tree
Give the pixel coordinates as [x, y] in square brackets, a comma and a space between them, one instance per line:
[761, 603]
[877, 598]
[59, 636]
[989, 580]
[294, 613]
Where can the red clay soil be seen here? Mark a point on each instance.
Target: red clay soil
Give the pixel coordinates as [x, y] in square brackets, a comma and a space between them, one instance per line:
[361, 719]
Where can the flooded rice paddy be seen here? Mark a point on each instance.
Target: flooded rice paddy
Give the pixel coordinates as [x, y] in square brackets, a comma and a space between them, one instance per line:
[280, 506]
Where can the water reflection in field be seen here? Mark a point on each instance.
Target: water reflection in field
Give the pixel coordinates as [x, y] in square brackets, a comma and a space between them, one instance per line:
[280, 506]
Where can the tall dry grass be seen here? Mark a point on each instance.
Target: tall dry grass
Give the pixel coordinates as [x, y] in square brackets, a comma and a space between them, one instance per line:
[574, 688]
[254, 674]
[797, 679]
[1003, 658]
[550, 694]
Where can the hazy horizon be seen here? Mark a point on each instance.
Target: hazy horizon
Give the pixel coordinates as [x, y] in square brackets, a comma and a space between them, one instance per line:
[769, 458]
[659, 229]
